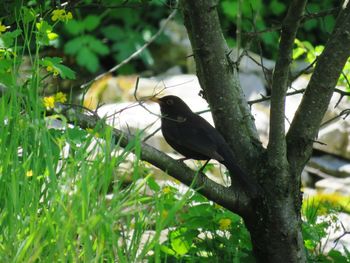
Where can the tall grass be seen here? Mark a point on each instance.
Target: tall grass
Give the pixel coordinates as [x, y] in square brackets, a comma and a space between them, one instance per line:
[74, 206]
[60, 198]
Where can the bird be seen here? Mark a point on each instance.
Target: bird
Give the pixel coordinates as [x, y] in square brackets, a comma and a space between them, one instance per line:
[195, 138]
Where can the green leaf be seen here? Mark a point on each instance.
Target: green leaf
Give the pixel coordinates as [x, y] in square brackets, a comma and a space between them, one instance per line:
[197, 222]
[86, 58]
[308, 45]
[336, 256]
[277, 7]
[123, 49]
[91, 22]
[55, 62]
[179, 243]
[270, 38]
[65, 72]
[6, 78]
[74, 27]
[73, 46]
[76, 135]
[7, 39]
[113, 32]
[254, 6]
[204, 210]
[45, 33]
[310, 24]
[98, 47]
[167, 250]
[6, 65]
[313, 8]
[230, 9]
[50, 61]
[297, 52]
[130, 17]
[329, 22]
[153, 184]
[28, 15]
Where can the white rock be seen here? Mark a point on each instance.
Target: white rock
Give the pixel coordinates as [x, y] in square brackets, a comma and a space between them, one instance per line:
[330, 165]
[334, 185]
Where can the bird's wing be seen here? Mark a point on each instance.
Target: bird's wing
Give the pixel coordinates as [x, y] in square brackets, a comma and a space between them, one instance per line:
[201, 138]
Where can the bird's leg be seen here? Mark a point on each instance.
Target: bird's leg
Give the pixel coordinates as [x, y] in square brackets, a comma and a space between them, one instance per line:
[202, 168]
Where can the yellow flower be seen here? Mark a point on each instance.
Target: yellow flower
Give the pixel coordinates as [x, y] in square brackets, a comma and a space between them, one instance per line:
[176, 181]
[224, 223]
[91, 131]
[57, 14]
[69, 16]
[49, 102]
[61, 15]
[2, 28]
[53, 70]
[166, 190]
[52, 36]
[60, 97]
[29, 173]
[216, 206]
[164, 214]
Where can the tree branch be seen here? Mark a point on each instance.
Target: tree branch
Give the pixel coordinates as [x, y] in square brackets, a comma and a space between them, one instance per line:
[305, 125]
[218, 79]
[277, 144]
[231, 197]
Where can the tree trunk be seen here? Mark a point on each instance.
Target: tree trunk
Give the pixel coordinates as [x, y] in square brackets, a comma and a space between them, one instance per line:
[276, 235]
[273, 219]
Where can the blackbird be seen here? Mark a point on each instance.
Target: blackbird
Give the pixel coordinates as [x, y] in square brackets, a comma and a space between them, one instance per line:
[193, 137]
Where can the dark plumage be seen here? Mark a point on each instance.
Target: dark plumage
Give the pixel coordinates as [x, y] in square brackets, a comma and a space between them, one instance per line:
[193, 137]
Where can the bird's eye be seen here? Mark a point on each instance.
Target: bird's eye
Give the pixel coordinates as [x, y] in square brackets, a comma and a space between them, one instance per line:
[170, 102]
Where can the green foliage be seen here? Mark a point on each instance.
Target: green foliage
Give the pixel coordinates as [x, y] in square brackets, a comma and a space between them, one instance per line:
[86, 47]
[306, 51]
[258, 15]
[55, 64]
[202, 231]
[319, 218]
[32, 31]
[120, 29]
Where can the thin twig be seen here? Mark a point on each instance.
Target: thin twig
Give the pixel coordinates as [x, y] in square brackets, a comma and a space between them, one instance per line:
[303, 20]
[304, 70]
[345, 112]
[345, 232]
[266, 71]
[259, 64]
[342, 94]
[265, 98]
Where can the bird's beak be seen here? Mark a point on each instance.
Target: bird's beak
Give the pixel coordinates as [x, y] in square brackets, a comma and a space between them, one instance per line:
[155, 99]
[150, 98]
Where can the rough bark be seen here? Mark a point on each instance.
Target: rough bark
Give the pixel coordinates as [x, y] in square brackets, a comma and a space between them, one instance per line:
[277, 150]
